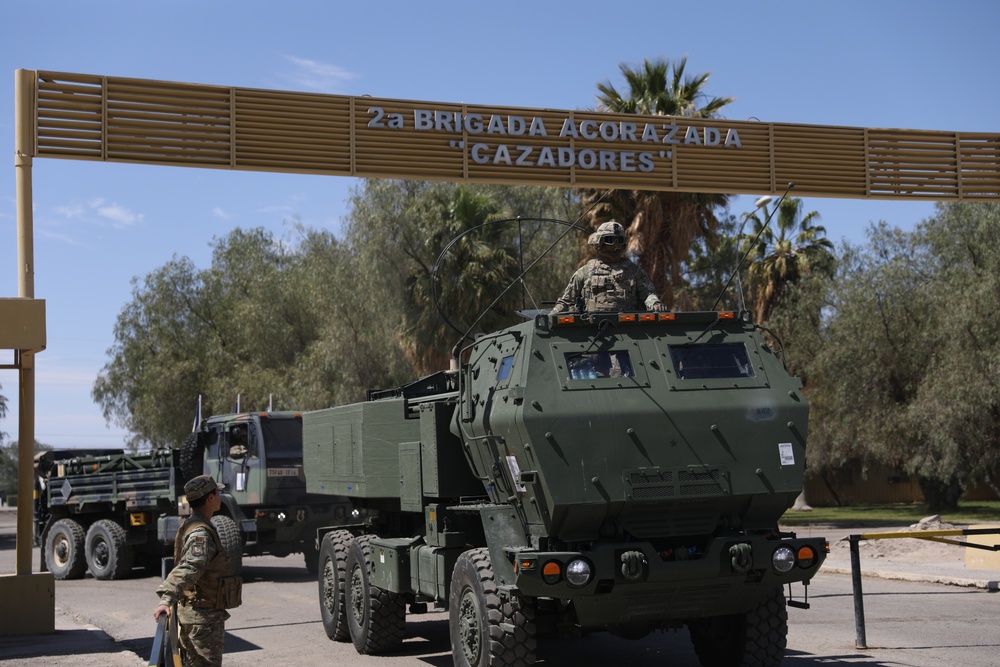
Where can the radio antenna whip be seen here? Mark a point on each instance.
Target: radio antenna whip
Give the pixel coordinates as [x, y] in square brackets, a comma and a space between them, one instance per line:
[760, 202]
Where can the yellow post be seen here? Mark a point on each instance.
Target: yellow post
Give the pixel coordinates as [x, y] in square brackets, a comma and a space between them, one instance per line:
[25, 289]
[35, 593]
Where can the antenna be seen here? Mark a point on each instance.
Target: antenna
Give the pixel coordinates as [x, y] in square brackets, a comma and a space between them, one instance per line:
[759, 203]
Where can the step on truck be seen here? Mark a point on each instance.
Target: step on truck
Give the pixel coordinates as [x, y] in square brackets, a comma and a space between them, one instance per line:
[108, 511]
[579, 472]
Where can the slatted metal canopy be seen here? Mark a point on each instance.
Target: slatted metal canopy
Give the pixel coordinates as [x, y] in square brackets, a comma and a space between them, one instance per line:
[93, 117]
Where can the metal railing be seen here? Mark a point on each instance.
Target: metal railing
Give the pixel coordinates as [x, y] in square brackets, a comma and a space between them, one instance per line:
[166, 647]
[165, 652]
[861, 640]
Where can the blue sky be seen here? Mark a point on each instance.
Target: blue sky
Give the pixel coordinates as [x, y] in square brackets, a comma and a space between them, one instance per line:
[906, 64]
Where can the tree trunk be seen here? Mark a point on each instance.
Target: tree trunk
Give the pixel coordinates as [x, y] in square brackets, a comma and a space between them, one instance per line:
[939, 495]
[800, 504]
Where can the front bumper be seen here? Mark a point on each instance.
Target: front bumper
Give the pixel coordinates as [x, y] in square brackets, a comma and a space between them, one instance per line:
[663, 586]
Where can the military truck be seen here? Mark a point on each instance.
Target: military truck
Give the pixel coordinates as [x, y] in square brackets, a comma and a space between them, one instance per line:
[107, 511]
[577, 472]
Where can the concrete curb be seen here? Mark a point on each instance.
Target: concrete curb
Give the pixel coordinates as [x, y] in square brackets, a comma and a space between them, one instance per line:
[985, 584]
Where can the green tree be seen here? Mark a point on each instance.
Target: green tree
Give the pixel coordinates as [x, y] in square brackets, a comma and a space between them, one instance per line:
[662, 226]
[239, 328]
[781, 258]
[400, 228]
[3, 413]
[709, 268]
[316, 321]
[9, 457]
[908, 374]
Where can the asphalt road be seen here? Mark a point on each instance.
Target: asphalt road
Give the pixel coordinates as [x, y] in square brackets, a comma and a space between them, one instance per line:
[110, 624]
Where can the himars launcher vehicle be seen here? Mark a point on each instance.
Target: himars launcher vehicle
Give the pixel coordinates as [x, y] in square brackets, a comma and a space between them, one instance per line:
[584, 472]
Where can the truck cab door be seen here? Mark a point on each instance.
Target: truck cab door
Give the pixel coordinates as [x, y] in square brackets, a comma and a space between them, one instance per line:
[239, 462]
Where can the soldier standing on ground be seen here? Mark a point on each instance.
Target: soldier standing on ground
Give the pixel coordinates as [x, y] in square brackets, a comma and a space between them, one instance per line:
[611, 282]
[202, 583]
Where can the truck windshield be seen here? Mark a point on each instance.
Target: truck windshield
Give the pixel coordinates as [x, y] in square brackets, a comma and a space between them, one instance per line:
[611, 364]
[282, 438]
[711, 360]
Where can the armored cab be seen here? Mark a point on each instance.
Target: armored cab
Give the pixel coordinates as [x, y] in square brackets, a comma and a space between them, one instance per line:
[580, 472]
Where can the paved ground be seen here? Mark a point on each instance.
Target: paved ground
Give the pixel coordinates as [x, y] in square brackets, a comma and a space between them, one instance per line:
[76, 643]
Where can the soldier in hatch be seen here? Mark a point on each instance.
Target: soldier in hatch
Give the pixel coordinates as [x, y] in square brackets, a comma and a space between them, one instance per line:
[202, 583]
[611, 282]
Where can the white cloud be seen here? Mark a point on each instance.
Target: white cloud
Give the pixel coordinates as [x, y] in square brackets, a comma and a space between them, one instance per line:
[61, 238]
[119, 216]
[317, 76]
[70, 211]
[99, 212]
[219, 212]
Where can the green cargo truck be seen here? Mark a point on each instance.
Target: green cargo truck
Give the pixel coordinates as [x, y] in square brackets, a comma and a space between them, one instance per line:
[584, 472]
[109, 511]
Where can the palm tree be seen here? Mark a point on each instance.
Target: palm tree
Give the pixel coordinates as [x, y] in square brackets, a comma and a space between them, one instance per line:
[476, 270]
[781, 258]
[662, 226]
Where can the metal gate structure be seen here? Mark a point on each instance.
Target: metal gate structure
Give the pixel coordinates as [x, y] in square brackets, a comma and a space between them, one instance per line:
[114, 119]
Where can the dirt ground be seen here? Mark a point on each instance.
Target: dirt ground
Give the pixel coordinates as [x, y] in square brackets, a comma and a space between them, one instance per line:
[907, 550]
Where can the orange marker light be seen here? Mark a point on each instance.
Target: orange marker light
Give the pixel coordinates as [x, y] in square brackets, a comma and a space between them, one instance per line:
[805, 556]
[727, 315]
[647, 317]
[667, 317]
[566, 319]
[626, 318]
[551, 572]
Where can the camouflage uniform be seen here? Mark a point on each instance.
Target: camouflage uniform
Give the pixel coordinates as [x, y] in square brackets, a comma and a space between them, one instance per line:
[610, 283]
[199, 563]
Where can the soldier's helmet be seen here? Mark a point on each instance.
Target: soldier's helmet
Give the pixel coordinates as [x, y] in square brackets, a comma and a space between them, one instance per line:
[609, 233]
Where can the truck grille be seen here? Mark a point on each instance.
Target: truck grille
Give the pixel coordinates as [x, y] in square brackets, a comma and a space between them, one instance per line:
[657, 483]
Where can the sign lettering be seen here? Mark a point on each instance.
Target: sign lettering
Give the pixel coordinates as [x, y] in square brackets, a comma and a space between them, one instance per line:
[654, 141]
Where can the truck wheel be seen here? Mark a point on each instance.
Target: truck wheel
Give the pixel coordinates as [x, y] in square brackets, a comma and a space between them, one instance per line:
[192, 458]
[108, 554]
[232, 542]
[64, 553]
[376, 618]
[485, 630]
[332, 575]
[754, 639]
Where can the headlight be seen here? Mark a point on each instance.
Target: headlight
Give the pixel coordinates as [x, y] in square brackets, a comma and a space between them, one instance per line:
[783, 559]
[578, 572]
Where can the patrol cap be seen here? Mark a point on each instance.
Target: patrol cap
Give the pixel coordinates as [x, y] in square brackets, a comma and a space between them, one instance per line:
[200, 486]
[610, 228]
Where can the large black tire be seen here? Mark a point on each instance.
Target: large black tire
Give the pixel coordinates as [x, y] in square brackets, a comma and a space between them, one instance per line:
[487, 631]
[332, 577]
[232, 541]
[108, 554]
[376, 618]
[64, 553]
[192, 458]
[754, 639]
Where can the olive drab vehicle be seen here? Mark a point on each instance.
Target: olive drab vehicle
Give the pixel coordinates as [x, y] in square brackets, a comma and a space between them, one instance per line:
[578, 472]
[107, 511]
[257, 456]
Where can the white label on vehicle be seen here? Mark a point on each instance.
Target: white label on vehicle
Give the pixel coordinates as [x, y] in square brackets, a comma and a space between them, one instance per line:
[515, 471]
[786, 453]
